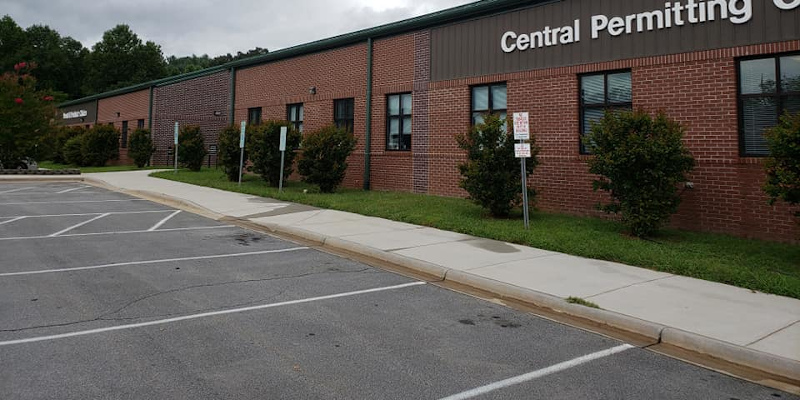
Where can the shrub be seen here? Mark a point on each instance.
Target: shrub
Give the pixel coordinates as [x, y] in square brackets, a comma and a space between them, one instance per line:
[72, 151]
[324, 160]
[783, 164]
[264, 147]
[191, 149]
[229, 152]
[640, 161]
[141, 147]
[99, 144]
[492, 175]
[59, 140]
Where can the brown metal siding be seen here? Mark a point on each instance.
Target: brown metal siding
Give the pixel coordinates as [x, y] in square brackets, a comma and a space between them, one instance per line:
[472, 48]
[90, 118]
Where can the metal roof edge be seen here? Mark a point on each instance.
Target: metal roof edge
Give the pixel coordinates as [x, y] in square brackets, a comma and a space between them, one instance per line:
[472, 10]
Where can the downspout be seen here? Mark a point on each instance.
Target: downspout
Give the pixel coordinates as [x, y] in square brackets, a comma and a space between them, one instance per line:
[150, 112]
[368, 129]
[231, 108]
[96, 111]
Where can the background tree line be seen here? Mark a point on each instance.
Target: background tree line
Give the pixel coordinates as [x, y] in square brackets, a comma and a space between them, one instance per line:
[120, 59]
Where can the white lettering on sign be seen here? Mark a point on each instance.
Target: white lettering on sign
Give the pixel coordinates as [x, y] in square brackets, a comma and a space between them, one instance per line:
[674, 14]
[522, 126]
[787, 4]
[75, 114]
[522, 150]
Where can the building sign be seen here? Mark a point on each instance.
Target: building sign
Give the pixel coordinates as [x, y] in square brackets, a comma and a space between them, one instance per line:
[674, 14]
[76, 114]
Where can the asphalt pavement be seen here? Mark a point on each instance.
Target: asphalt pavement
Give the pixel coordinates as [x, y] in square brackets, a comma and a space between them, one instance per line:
[103, 295]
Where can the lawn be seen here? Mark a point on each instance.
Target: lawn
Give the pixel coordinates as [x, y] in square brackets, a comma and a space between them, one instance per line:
[87, 170]
[758, 265]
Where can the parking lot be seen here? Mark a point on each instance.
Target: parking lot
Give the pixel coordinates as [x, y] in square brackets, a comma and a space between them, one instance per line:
[103, 295]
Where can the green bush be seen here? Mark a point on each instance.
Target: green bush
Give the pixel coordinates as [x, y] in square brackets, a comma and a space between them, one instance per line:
[191, 148]
[229, 152]
[264, 147]
[783, 164]
[492, 174]
[72, 151]
[51, 146]
[99, 145]
[640, 161]
[324, 160]
[140, 147]
[26, 113]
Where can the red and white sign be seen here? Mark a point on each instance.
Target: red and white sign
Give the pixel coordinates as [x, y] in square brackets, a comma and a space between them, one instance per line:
[522, 126]
[522, 150]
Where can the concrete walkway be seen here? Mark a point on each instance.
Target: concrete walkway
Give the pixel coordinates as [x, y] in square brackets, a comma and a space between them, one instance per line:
[737, 325]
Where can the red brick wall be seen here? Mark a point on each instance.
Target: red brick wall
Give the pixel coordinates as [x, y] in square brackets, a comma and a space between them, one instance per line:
[191, 102]
[336, 74]
[131, 107]
[697, 89]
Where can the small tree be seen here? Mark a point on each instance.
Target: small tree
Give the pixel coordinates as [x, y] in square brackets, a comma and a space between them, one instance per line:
[99, 145]
[191, 148]
[141, 147]
[72, 151]
[640, 161]
[783, 164]
[324, 160]
[492, 175]
[25, 114]
[264, 148]
[229, 152]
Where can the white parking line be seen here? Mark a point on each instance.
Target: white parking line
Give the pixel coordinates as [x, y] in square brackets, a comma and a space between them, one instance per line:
[164, 221]
[15, 190]
[538, 374]
[73, 189]
[117, 233]
[88, 214]
[70, 202]
[205, 315]
[12, 220]
[59, 233]
[150, 262]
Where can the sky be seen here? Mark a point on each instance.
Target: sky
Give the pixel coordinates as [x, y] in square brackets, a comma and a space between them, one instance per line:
[186, 27]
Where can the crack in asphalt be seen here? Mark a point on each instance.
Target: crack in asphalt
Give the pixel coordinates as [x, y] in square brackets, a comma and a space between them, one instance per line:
[105, 316]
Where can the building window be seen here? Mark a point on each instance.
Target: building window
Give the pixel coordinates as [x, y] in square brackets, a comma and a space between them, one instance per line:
[601, 92]
[140, 124]
[124, 139]
[254, 116]
[768, 87]
[344, 113]
[488, 99]
[398, 121]
[294, 114]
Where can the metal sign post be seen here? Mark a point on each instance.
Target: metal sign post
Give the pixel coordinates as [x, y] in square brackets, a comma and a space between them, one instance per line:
[241, 147]
[176, 147]
[282, 148]
[522, 149]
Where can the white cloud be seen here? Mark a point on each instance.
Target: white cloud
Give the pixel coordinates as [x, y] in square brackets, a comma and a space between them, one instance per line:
[184, 27]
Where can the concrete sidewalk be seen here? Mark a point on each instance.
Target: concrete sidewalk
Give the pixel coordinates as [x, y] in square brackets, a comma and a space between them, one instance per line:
[737, 325]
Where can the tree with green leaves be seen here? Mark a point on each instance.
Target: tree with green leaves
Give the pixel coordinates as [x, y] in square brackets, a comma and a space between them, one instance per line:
[25, 115]
[783, 163]
[640, 161]
[121, 59]
[12, 41]
[492, 175]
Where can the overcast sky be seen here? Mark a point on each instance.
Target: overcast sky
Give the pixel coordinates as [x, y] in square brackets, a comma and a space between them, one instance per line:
[185, 27]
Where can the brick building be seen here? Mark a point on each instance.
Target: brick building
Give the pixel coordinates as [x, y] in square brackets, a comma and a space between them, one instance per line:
[725, 69]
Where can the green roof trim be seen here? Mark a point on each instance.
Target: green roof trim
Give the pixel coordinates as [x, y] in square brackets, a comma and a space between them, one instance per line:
[455, 14]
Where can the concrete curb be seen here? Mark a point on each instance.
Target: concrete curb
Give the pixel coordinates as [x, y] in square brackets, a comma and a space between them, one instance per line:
[732, 353]
[658, 333]
[42, 178]
[640, 327]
